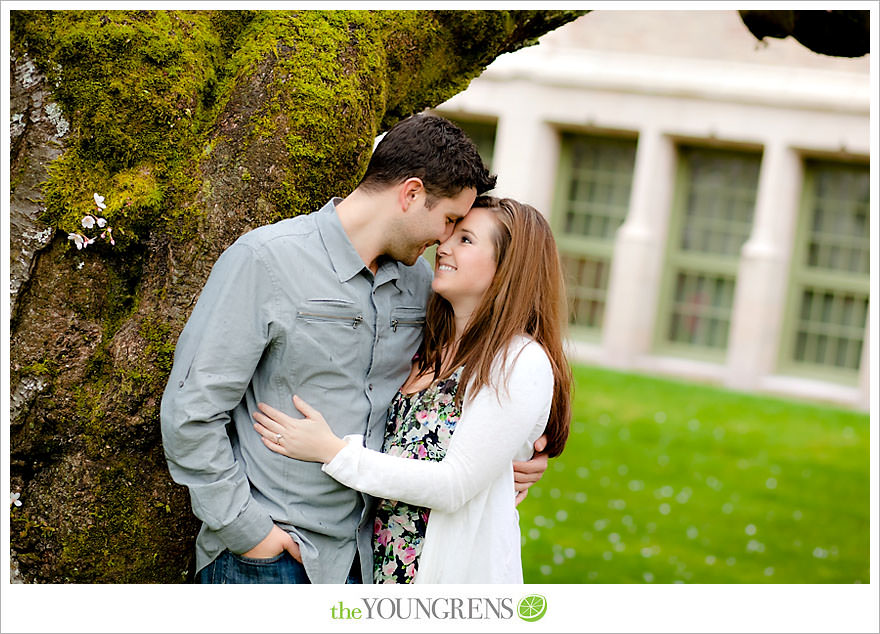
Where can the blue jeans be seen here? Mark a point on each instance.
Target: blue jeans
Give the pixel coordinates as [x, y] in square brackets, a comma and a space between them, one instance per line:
[232, 568]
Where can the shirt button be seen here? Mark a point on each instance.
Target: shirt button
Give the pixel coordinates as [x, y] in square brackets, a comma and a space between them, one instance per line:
[370, 386]
[180, 384]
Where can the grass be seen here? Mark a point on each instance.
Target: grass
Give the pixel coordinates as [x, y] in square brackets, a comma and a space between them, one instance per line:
[664, 481]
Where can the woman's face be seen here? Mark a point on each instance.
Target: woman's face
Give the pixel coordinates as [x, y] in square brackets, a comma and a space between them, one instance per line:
[465, 262]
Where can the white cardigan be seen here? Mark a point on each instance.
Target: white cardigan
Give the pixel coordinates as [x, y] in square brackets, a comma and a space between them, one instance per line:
[473, 530]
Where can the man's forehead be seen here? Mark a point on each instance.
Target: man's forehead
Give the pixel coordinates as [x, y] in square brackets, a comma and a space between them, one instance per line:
[460, 204]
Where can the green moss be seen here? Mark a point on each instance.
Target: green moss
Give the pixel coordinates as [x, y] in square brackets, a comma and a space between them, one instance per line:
[323, 98]
[46, 367]
[229, 25]
[160, 344]
[143, 90]
[136, 87]
[123, 391]
[101, 550]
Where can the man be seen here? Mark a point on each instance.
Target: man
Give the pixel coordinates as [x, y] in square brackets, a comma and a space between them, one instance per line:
[328, 306]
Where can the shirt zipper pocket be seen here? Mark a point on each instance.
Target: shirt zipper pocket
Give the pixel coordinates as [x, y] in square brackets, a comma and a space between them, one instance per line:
[406, 322]
[355, 321]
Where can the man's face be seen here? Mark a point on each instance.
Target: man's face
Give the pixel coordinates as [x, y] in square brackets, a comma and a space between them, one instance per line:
[421, 227]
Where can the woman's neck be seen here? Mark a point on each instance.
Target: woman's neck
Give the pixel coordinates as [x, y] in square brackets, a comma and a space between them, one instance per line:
[461, 316]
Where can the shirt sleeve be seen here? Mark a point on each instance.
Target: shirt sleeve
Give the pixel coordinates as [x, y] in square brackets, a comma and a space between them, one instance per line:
[214, 361]
[493, 426]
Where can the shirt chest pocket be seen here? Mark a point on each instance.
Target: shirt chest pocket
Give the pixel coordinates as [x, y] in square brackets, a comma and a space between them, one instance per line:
[404, 317]
[328, 343]
[407, 323]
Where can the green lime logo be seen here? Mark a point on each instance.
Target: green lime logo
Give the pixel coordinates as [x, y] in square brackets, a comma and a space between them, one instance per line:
[532, 607]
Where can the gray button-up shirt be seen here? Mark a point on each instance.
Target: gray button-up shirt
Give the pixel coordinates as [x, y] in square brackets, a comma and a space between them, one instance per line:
[290, 308]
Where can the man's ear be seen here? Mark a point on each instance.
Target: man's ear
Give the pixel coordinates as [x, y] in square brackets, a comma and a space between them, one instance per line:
[409, 190]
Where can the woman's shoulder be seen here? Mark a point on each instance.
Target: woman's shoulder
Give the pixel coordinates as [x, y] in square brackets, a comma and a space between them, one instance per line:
[524, 353]
[524, 344]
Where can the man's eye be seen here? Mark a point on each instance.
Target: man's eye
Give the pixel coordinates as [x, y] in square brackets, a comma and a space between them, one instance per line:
[466, 239]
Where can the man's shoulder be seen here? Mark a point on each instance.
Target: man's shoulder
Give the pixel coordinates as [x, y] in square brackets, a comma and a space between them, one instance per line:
[287, 232]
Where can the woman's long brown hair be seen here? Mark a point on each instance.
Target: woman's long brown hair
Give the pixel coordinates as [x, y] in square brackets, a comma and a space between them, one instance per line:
[526, 297]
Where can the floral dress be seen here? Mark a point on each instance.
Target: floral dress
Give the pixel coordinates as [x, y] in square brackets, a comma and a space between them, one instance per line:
[419, 426]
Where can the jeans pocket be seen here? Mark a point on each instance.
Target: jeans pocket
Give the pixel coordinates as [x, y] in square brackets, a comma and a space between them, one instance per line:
[258, 561]
[282, 568]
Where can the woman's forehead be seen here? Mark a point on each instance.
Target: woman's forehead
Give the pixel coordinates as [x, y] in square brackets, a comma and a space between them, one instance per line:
[477, 220]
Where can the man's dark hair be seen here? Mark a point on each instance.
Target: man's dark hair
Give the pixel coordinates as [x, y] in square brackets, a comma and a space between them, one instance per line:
[430, 148]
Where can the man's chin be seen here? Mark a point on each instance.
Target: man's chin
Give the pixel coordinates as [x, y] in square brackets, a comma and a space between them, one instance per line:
[412, 258]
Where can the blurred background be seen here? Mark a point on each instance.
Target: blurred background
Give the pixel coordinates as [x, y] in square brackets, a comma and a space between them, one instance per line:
[710, 197]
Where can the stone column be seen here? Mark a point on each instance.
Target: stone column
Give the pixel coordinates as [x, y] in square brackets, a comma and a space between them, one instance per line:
[762, 279]
[526, 152]
[639, 247]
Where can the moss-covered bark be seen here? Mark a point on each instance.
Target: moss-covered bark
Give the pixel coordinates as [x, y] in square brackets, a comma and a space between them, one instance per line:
[195, 126]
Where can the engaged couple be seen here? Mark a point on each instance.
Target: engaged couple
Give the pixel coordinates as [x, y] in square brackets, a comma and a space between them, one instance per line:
[342, 415]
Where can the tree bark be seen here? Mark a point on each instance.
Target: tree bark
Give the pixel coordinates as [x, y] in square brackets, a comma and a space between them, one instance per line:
[195, 127]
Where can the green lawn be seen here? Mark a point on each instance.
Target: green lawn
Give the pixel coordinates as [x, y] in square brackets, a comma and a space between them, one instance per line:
[664, 481]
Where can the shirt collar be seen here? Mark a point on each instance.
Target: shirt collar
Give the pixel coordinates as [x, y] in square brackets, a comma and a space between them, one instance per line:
[388, 271]
[344, 258]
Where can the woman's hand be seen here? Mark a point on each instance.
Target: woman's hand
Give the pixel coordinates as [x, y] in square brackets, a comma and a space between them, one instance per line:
[308, 438]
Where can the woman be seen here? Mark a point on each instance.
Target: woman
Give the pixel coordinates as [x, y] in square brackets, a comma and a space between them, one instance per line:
[493, 325]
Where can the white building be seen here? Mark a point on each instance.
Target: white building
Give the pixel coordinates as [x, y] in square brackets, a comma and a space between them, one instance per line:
[709, 194]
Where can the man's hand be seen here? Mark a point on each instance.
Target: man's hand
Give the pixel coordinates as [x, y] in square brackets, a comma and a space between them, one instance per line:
[525, 474]
[277, 541]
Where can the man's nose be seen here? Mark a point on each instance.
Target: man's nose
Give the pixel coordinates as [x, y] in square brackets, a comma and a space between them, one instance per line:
[447, 232]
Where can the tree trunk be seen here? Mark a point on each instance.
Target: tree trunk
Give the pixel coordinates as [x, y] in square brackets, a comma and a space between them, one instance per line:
[195, 127]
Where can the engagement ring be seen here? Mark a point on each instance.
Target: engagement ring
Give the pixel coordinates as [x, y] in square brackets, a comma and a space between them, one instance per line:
[278, 438]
